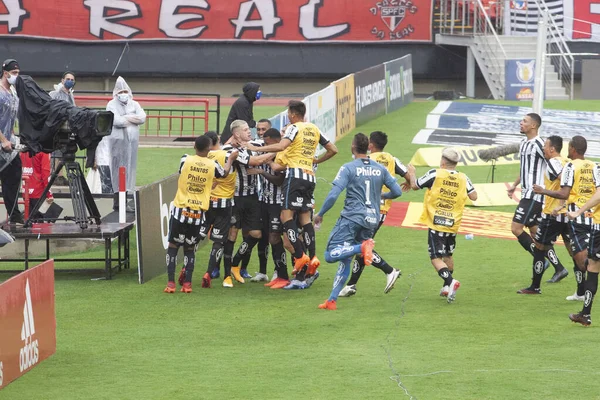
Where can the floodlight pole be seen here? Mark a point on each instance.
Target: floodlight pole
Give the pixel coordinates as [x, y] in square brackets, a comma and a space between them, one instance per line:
[540, 64]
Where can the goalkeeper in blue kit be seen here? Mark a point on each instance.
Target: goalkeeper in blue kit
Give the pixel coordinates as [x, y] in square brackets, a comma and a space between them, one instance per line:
[363, 180]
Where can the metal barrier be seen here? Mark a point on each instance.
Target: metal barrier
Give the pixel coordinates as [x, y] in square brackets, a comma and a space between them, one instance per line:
[186, 125]
[182, 97]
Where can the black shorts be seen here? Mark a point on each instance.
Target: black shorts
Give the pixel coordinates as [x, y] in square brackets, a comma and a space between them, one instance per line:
[580, 237]
[549, 230]
[382, 218]
[220, 221]
[246, 213]
[594, 246]
[297, 194]
[271, 218]
[183, 234]
[441, 244]
[528, 212]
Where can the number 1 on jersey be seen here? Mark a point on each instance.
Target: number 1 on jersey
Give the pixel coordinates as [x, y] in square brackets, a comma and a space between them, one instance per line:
[368, 192]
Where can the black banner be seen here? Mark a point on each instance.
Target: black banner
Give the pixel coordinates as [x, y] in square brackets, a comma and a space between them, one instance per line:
[370, 93]
[398, 78]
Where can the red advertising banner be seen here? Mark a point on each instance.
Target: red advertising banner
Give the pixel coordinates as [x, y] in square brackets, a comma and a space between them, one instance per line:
[231, 20]
[28, 321]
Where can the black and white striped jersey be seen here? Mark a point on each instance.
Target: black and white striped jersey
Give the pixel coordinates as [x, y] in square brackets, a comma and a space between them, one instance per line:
[246, 185]
[533, 166]
[270, 193]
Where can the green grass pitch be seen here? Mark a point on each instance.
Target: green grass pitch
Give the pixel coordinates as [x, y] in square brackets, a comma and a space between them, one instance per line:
[121, 340]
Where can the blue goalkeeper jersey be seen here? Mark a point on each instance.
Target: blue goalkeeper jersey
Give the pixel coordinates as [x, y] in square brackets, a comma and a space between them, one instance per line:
[363, 180]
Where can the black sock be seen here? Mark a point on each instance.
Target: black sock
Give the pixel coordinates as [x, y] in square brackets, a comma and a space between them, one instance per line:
[446, 275]
[580, 279]
[358, 265]
[279, 259]
[245, 249]
[525, 241]
[246, 260]
[309, 239]
[216, 253]
[171, 262]
[380, 263]
[263, 254]
[189, 257]
[227, 254]
[538, 267]
[291, 230]
[553, 258]
[301, 275]
[591, 286]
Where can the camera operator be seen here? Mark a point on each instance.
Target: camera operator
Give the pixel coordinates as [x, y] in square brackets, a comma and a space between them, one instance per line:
[125, 136]
[63, 91]
[9, 105]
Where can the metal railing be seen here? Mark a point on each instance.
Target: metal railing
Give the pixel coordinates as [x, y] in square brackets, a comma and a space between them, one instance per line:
[468, 17]
[558, 50]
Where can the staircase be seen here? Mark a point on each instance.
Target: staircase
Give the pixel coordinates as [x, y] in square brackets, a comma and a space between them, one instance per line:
[478, 24]
[491, 60]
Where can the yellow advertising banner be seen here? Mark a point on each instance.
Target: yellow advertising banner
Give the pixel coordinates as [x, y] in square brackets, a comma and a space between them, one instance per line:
[430, 156]
[493, 224]
[345, 106]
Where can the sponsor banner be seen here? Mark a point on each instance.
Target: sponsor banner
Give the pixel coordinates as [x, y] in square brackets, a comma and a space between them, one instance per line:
[27, 321]
[154, 204]
[399, 83]
[473, 124]
[519, 79]
[233, 20]
[321, 112]
[370, 92]
[492, 224]
[345, 111]
[579, 20]
[431, 156]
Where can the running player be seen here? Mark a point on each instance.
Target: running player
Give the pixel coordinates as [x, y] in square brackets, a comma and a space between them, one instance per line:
[363, 179]
[377, 142]
[584, 317]
[529, 210]
[196, 174]
[300, 142]
[554, 219]
[443, 208]
[576, 186]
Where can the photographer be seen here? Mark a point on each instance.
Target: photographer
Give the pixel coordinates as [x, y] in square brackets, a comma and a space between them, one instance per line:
[125, 136]
[9, 105]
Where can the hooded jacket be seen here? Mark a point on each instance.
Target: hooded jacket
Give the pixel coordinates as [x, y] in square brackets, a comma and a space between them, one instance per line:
[242, 109]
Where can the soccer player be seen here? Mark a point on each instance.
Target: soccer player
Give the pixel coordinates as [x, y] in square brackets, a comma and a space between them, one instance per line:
[196, 175]
[246, 210]
[261, 127]
[271, 201]
[363, 179]
[529, 210]
[377, 142]
[554, 219]
[218, 216]
[443, 208]
[576, 186]
[593, 267]
[300, 144]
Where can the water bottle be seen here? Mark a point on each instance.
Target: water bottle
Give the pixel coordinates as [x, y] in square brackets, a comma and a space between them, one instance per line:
[469, 236]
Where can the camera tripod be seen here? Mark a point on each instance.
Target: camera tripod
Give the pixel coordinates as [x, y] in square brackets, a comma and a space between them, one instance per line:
[84, 206]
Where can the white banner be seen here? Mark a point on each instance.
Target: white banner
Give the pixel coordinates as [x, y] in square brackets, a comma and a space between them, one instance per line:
[578, 19]
[321, 111]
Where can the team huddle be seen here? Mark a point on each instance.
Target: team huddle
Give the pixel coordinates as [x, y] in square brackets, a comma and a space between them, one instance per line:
[265, 188]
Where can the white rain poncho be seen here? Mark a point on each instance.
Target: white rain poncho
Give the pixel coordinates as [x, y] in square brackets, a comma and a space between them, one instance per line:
[59, 94]
[124, 140]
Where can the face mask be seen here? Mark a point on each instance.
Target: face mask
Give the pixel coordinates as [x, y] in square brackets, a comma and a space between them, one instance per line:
[12, 79]
[258, 95]
[123, 97]
[69, 84]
